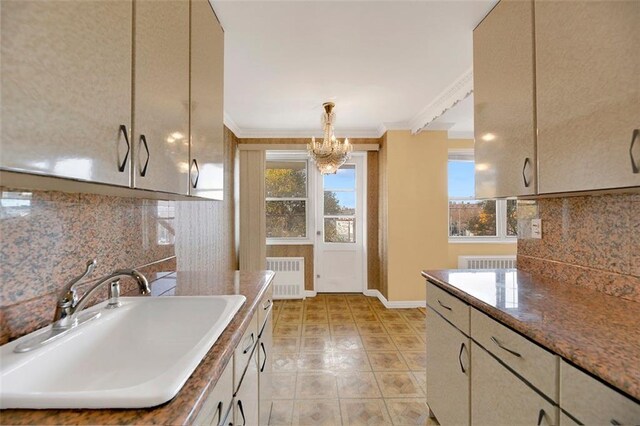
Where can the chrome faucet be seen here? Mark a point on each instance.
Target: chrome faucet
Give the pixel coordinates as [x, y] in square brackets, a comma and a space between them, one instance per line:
[68, 313]
[69, 305]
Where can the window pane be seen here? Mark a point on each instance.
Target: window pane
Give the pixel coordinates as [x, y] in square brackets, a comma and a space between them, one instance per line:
[286, 179]
[340, 230]
[472, 218]
[339, 203]
[461, 178]
[512, 218]
[344, 178]
[286, 219]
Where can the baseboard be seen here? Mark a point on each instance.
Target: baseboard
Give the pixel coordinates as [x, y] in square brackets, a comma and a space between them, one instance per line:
[309, 293]
[400, 304]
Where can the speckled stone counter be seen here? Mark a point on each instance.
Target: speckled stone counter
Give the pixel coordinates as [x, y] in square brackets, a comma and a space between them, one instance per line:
[595, 331]
[184, 408]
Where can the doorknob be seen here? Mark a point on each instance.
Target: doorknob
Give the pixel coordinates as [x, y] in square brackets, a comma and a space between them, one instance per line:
[318, 233]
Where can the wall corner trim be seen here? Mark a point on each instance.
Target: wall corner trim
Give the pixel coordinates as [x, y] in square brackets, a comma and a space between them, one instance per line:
[399, 304]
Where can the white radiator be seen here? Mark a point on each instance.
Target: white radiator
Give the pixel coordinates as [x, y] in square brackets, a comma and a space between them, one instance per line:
[288, 282]
[486, 262]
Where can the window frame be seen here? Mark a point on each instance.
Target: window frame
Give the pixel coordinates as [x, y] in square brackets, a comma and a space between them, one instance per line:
[295, 157]
[501, 236]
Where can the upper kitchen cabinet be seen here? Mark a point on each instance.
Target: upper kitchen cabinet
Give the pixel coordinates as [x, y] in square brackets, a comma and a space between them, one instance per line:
[206, 173]
[504, 111]
[588, 94]
[161, 96]
[66, 89]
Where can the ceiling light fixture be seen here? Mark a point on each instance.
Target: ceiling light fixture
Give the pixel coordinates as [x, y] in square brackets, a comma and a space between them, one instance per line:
[329, 154]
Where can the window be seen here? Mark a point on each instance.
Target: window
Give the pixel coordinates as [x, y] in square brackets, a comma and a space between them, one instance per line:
[286, 185]
[340, 205]
[471, 219]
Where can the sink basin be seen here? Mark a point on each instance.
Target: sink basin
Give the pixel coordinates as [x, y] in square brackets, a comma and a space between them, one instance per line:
[138, 355]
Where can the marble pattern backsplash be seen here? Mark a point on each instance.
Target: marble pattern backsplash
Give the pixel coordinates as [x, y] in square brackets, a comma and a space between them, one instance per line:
[591, 241]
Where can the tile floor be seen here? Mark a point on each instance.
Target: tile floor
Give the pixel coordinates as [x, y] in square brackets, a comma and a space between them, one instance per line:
[345, 359]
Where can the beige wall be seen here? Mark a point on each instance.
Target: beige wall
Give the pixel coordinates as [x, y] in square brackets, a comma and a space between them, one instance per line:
[416, 186]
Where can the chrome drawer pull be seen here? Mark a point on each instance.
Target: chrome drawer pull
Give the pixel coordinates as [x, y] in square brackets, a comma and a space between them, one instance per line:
[268, 305]
[635, 168]
[512, 352]
[462, 346]
[250, 344]
[527, 162]
[443, 305]
[541, 415]
[614, 422]
[123, 130]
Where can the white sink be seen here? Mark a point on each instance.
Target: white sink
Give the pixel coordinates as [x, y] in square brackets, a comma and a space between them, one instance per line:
[138, 355]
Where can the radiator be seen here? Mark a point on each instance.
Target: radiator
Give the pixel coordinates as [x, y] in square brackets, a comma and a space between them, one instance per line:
[288, 282]
[486, 262]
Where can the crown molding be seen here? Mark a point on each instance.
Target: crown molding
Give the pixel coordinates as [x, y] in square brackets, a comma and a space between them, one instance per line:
[453, 94]
[231, 125]
[299, 133]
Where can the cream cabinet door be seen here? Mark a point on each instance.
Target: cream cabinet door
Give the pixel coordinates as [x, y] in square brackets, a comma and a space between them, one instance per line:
[161, 96]
[265, 358]
[448, 371]
[66, 88]
[246, 400]
[504, 96]
[219, 401]
[206, 170]
[501, 398]
[588, 94]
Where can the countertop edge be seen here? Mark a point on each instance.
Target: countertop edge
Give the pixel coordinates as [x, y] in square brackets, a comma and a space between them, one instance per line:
[517, 326]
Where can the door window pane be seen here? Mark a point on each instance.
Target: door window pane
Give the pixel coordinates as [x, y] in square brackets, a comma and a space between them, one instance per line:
[286, 179]
[339, 230]
[472, 218]
[344, 178]
[339, 203]
[512, 218]
[286, 219]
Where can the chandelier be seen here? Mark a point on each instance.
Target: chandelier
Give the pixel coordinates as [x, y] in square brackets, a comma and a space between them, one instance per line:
[329, 154]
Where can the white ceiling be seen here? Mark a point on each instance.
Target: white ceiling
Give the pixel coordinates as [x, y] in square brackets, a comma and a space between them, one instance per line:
[382, 62]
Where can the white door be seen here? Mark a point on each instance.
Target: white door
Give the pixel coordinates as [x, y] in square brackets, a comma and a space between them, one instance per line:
[340, 240]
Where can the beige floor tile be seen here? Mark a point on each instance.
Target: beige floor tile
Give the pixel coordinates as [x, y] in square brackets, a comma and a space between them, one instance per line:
[341, 317]
[421, 377]
[314, 361]
[290, 317]
[351, 361]
[416, 360]
[398, 384]
[405, 412]
[316, 385]
[413, 314]
[408, 342]
[364, 316]
[283, 385]
[284, 329]
[344, 329]
[364, 307]
[387, 361]
[398, 328]
[347, 343]
[284, 362]
[286, 344]
[315, 317]
[281, 413]
[371, 328]
[420, 327]
[316, 344]
[315, 330]
[378, 343]
[319, 412]
[364, 412]
[357, 385]
[292, 308]
[315, 308]
[389, 315]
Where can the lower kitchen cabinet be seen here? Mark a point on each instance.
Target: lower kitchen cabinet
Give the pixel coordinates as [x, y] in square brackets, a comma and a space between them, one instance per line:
[448, 371]
[500, 397]
[218, 403]
[265, 357]
[246, 403]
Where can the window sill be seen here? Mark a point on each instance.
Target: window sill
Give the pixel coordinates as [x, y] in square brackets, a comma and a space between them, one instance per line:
[482, 240]
[289, 242]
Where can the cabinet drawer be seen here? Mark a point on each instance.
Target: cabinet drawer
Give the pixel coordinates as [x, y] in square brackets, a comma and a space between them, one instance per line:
[264, 308]
[537, 365]
[243, 352]
[592, 402]
[451, 308]
[219, 401]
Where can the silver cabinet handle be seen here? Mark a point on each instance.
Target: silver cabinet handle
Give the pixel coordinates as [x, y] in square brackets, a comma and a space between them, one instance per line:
[527, 161]
[143, 141]
[194, 183]
[267, 305]
[462, 346]
[248, 348]
[244, 420]
[443, 305]
[264, 360]
[614, 422]
[635, 168]
[123, 130]
[504, 348]
[219, 411]
[541, 415]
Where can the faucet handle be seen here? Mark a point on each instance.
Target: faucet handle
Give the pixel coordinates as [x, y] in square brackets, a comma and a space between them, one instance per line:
[68, 296]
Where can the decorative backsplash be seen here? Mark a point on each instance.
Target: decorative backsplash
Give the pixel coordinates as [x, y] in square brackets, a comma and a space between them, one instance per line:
[591, 241]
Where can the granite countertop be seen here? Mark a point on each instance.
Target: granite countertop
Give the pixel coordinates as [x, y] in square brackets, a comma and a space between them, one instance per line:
[597, 332]
[184, 407]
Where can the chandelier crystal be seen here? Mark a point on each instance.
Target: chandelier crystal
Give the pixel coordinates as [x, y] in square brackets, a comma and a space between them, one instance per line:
[329, 154]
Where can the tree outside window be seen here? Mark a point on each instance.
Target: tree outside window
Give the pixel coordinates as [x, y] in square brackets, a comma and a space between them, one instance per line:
[286, 204]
